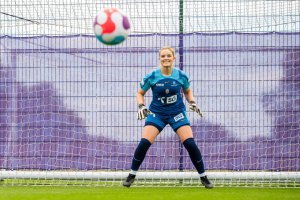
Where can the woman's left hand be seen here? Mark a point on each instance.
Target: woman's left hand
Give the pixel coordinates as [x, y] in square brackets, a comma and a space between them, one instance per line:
[193, 106]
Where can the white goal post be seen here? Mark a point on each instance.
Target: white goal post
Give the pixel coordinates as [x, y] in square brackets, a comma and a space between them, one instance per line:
[95, 175]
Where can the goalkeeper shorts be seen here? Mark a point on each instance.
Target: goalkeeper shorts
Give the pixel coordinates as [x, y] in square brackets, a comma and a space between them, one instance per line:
[175, 121]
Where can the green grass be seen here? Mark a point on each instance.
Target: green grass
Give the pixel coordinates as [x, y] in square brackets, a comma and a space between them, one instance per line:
[144, 193]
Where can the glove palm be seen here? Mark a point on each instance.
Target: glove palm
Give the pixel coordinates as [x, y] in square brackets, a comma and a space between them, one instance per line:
[143, 112]
[193, 106]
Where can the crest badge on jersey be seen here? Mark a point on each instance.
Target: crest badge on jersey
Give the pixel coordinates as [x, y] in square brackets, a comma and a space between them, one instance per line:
[167, 91]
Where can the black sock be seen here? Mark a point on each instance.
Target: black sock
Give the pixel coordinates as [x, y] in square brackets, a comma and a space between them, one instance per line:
[140, 153]
[195, 154]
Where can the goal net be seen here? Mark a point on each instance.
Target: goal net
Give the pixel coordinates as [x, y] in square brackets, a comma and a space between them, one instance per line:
[67, 102]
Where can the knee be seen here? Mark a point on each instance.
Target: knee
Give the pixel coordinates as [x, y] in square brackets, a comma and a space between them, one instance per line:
[146, 141]
[190, 144]
[188, 141]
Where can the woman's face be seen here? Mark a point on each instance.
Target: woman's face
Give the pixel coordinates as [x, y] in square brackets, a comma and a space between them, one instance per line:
[166, 58]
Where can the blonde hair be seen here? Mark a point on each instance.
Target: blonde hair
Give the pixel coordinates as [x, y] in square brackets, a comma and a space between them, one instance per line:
[169, 48]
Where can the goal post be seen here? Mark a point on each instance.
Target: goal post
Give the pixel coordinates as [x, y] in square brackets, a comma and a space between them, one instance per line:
[153, 179]
[159, 175]
[42, 140]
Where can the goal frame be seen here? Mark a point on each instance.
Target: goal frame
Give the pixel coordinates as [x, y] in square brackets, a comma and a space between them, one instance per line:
[172, 175]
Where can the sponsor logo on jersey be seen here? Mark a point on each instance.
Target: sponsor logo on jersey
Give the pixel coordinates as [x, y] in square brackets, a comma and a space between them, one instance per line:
[178, 117]
[174, 83]
[160, 84]
[171, 99]
[168, 100]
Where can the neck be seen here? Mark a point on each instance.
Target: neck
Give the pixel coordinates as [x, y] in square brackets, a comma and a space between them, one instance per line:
[167, 71]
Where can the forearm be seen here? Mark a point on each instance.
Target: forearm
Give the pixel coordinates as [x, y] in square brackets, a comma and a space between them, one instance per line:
[140, 97]
[189, 95]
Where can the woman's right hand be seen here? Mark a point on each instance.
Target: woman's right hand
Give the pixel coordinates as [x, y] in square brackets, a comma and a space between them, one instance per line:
[143, 112]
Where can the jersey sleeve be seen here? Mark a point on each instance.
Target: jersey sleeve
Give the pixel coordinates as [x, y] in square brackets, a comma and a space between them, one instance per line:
[145, 84]
[185, 80]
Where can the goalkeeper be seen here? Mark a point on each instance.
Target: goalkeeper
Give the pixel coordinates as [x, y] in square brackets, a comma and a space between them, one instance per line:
[167, 107]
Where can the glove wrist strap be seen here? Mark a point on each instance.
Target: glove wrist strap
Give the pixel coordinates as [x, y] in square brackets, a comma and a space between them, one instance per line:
[191, 102]
[141, 105]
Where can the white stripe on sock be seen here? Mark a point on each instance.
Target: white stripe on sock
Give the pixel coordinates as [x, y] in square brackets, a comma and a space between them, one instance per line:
[203, 174]
[133, 172]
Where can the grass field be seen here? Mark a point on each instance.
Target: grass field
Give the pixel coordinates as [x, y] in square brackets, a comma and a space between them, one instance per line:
[144, 193]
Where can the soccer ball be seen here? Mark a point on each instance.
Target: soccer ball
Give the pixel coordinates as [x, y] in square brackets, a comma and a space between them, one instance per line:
[111, 26]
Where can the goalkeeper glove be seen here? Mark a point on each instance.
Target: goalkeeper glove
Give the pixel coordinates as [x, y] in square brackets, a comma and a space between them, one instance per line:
[193, 106]
[143, 112]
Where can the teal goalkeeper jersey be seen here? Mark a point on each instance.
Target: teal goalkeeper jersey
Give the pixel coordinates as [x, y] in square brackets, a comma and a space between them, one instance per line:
[167, 91]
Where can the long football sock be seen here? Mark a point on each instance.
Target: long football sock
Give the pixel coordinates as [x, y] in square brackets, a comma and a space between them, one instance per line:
[139, 154]
[195, 154]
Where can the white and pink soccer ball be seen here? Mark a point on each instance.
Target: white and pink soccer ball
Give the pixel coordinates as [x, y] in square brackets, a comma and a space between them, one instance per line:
[111, 26]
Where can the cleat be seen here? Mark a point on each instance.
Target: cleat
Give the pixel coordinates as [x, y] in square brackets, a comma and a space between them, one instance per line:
[206, 182]
[129, 180]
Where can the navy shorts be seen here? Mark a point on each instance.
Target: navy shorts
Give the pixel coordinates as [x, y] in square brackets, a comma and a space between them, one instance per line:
[175, 121]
